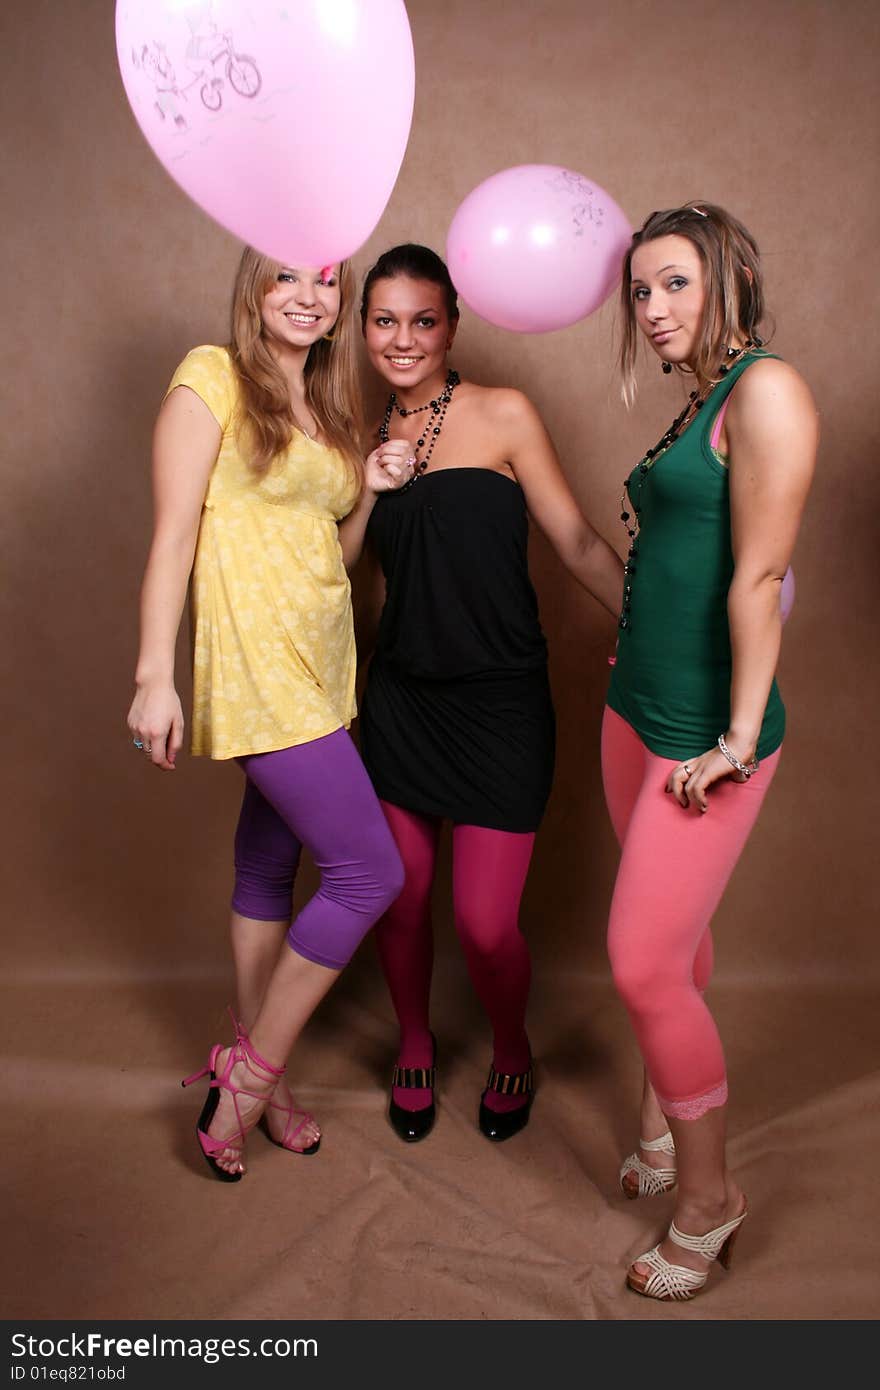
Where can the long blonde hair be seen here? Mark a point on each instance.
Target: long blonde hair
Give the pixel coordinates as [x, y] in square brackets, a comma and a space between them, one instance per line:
[734, 305]
[331, 383]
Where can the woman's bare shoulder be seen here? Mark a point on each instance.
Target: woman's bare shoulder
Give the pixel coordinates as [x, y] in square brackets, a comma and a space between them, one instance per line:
[504, 404]
[771, 383]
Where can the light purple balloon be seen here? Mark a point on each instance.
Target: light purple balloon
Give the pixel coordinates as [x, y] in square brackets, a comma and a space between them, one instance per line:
[786, 594]
[287, 123]
[536, 247]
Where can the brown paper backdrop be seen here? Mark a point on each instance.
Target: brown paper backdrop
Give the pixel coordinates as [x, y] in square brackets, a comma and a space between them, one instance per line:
[117, 874]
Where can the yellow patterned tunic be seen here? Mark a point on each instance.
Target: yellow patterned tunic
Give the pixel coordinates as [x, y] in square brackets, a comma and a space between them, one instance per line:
[274, 655]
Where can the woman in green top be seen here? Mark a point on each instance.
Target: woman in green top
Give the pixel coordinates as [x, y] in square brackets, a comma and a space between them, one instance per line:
[712, 513]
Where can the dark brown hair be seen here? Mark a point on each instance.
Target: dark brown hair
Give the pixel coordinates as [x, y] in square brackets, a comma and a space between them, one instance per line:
[416, 263]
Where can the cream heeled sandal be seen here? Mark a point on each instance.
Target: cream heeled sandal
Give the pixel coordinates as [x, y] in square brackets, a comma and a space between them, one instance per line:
[668, 1281]
[651, 1180]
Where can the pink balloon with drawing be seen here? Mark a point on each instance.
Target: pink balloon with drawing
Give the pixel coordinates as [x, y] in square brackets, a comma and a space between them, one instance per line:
[537, 247]
[287, 123]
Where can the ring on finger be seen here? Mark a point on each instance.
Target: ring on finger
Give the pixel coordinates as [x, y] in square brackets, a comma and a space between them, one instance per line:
[687, 769]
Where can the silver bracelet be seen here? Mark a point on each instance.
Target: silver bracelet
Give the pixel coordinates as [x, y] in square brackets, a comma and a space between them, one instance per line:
[745, 768]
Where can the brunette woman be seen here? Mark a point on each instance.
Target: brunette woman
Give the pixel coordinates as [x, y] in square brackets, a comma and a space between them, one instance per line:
[458, 721]
[694, 724]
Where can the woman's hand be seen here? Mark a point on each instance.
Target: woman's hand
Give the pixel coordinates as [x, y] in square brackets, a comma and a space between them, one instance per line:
[390, 466]
[386, 469]
[690, 781]
[156, 722]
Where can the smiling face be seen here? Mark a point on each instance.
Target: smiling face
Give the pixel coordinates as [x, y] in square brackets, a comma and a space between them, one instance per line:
[408, 332]
[668, 293]
[301, 306]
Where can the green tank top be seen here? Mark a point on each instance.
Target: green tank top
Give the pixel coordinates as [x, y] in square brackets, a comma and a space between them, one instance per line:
[671, 678]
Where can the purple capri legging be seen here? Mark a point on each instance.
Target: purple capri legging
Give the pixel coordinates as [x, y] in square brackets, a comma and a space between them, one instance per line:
[315, 794]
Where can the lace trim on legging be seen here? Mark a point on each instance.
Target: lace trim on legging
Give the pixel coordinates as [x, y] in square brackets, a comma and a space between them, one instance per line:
[696, 1107]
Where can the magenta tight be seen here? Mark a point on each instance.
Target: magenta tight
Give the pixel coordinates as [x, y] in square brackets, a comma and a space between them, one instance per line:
[674, 867]
[488, 875]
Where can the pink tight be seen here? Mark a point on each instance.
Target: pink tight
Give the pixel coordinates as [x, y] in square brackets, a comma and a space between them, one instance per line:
[488, 876]
[674, 867]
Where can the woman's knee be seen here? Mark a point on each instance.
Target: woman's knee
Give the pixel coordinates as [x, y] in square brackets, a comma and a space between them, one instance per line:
[392, 878]
[413, 902]
[369, 884]
[383, 861]
[486, 936]
[644, 980]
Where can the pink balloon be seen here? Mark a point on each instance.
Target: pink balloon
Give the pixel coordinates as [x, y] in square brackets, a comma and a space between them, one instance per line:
[287, 123]
[786, 594]
[536, 247]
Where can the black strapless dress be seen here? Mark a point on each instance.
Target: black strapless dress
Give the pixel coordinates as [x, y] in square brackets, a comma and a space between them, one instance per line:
[457, 718]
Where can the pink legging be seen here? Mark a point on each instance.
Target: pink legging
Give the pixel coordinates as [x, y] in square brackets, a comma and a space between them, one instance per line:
[489, 869]
[674, 867]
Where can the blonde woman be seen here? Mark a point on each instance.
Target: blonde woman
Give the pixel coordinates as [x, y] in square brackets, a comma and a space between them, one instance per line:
[254, 465]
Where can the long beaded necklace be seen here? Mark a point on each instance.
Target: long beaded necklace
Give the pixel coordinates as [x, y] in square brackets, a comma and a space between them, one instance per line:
[694, 404]
[430, 431]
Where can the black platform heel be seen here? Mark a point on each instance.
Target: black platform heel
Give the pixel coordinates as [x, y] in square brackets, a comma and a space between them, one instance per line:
[412, 1125]
[499, 1125]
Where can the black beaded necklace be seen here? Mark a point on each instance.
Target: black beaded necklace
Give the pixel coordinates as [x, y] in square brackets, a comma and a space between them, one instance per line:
[694, 404]
[430, 432]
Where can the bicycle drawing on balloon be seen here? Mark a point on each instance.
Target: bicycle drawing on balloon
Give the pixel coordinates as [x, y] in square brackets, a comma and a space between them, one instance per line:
[213, 61]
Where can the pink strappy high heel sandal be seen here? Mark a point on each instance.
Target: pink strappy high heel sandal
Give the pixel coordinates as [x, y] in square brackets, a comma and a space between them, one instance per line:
[242, 1052]
[291, 1129]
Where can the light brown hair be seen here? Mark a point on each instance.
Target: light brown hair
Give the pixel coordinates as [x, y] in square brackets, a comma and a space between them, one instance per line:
[734, 305]
[332, 391]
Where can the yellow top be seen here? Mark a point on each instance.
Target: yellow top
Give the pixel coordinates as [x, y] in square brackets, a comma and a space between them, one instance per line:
[273, 634]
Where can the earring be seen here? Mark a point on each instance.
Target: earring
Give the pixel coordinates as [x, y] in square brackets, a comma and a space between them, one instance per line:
[328, 337]
[666, 368]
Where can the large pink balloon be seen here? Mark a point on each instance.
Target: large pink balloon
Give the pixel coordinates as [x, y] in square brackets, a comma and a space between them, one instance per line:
[286, 122]
[786, 594]
[536, 247]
